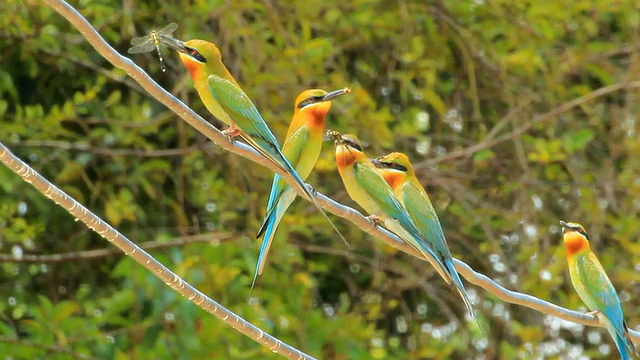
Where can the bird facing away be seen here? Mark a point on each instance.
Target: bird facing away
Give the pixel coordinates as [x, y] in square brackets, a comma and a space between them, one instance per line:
[594, 287]
[302, 148]
[369, 189]
[398, 172]
[226, 100]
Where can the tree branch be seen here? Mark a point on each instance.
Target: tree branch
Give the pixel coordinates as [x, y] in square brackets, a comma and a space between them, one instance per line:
[490, 141]
[100, 253]
[106, 151]
[48, 348]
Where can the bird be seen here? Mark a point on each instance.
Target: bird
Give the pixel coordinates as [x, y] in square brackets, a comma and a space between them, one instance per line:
[302, 148]
[369, 189]
[224, 98]
[594, 287]
[398, 172]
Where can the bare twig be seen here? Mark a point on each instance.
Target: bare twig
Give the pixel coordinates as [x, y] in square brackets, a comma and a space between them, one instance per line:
[100, 253]
[490, 141]
[48, 348]
[105, 151]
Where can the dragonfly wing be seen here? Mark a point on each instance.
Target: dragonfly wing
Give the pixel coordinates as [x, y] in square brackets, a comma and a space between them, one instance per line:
[140, 40]
[169, 29]
[142, 48]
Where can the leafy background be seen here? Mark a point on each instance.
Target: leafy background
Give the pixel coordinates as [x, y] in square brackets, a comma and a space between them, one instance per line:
[478, 93]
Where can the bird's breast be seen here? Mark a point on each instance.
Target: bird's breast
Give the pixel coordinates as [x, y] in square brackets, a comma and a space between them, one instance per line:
[393, 178]
[344, 157]
[575, 243]
[192, 66]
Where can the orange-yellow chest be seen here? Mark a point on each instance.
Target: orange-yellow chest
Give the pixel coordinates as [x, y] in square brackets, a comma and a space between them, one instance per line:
[312, 119]
[345, 157]
[393, 178]
[192, 66]
[575, 243]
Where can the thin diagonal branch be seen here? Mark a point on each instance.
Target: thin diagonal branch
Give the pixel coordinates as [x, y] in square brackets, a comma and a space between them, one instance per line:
[100, 253]
[338, 209]
[106, 151]
[49, 348]
[491, 141]
[105, 230]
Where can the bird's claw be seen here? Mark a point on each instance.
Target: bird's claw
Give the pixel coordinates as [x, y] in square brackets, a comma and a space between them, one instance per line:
[231, 133]
[312, 190]
[375, 220]
[595, 313]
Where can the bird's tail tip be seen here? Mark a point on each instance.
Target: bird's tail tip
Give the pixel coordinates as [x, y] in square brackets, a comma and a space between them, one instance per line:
[625, 346]
[457, 283]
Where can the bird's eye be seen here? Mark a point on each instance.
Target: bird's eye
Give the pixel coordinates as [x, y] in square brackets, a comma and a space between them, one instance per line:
[194, 53]
[309, 100]
[305, 102]
[397, 166]
[580, 230]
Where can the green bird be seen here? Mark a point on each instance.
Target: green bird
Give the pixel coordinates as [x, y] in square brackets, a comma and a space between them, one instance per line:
[302, 147]
[398, 172]
[226, 100]
[594, 287]
[369, 189]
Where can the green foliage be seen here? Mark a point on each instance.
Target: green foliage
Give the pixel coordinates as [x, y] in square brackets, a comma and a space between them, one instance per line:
[477, 93]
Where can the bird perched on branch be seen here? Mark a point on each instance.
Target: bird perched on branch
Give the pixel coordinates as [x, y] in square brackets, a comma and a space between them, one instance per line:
[398, 172]
[594, 287]
[302, 148]
[369, 189]
[226, 100]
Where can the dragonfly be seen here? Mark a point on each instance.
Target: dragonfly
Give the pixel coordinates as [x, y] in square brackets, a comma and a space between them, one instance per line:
[147, 43]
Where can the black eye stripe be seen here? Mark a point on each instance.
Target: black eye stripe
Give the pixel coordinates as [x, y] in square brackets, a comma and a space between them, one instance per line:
[309, 100]
[194, 53]
[353, 145]
[580, 230]
[395, 166]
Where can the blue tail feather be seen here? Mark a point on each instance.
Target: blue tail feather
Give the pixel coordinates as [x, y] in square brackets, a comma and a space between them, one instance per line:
[457, 281]
[271, 225]
[621, 344]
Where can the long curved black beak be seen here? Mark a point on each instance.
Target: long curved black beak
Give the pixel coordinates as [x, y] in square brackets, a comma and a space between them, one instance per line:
[179, 46]
[173, 43]
[335, 93]
[377, 163]
[565, 226]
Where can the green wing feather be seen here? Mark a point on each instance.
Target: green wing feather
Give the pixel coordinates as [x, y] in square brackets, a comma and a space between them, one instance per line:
[598, 292]
[378, 189]
[424, 215]
[243, 112]
[292, 149]
[295, 144]
[596, 282]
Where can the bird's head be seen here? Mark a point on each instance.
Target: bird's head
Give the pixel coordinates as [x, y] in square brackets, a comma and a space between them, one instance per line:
[315, 104]
[198, 56]
[574, 236]
[317, 100]
[395, 161]
[394, 167]
[348, 148]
